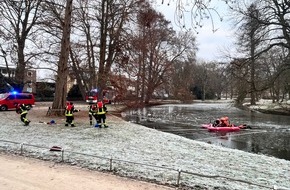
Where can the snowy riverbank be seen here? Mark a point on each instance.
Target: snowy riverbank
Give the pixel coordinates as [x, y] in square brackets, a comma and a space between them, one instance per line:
[267, 106]
[131, 142]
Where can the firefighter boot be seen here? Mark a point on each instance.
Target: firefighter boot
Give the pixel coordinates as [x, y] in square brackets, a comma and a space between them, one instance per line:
[26, 122]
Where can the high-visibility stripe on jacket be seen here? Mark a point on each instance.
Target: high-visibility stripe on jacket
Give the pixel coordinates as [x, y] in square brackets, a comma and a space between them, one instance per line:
[101, 111]
[68, 113]
[23, 112]
[22, 109]
[69, 110]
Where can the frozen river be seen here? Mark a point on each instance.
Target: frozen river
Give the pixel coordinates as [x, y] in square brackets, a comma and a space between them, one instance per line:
[270, 134]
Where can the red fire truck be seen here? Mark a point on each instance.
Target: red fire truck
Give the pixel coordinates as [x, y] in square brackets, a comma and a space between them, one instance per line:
[92, 96]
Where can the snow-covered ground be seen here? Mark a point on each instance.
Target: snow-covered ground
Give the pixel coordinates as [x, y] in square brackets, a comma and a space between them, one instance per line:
[267, 104]
[207, 166]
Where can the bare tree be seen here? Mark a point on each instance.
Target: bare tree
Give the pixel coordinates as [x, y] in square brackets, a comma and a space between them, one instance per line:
[18, 19]
[271, 62]
[113, 17]
[251, 36]
[273, 20]
[154, 48]
[150, 61]
[182, 76]
[84, 51]
[193, 13]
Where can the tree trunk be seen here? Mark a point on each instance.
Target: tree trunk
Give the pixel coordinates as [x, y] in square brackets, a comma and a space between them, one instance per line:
[103, 41]
[59, 101]
[252, 71]
[19, 72]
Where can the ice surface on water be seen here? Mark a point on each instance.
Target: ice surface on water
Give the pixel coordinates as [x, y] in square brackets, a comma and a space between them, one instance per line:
[186, 119]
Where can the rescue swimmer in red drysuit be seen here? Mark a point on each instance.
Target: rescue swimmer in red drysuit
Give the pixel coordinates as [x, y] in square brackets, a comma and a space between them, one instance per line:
[101, 115]
[222, 122]
[22, 109]
[69, 114]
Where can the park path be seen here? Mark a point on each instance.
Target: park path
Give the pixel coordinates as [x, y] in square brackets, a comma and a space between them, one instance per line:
[22, 173]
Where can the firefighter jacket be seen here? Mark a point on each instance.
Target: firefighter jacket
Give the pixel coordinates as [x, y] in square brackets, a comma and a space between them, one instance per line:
[93, 109]
[69, 110]
[101, 110]
[22, 109]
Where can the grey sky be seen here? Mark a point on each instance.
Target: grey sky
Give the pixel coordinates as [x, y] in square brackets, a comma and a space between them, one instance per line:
[211, 45]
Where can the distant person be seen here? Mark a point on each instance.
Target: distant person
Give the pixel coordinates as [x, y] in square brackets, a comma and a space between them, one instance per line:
[101, 114]
[69, 114]
[22, 109]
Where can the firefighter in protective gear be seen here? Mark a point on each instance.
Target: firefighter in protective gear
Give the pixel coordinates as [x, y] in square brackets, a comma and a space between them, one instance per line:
[93, 113]
[101, 115]
[69, 111]
[22, 109]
